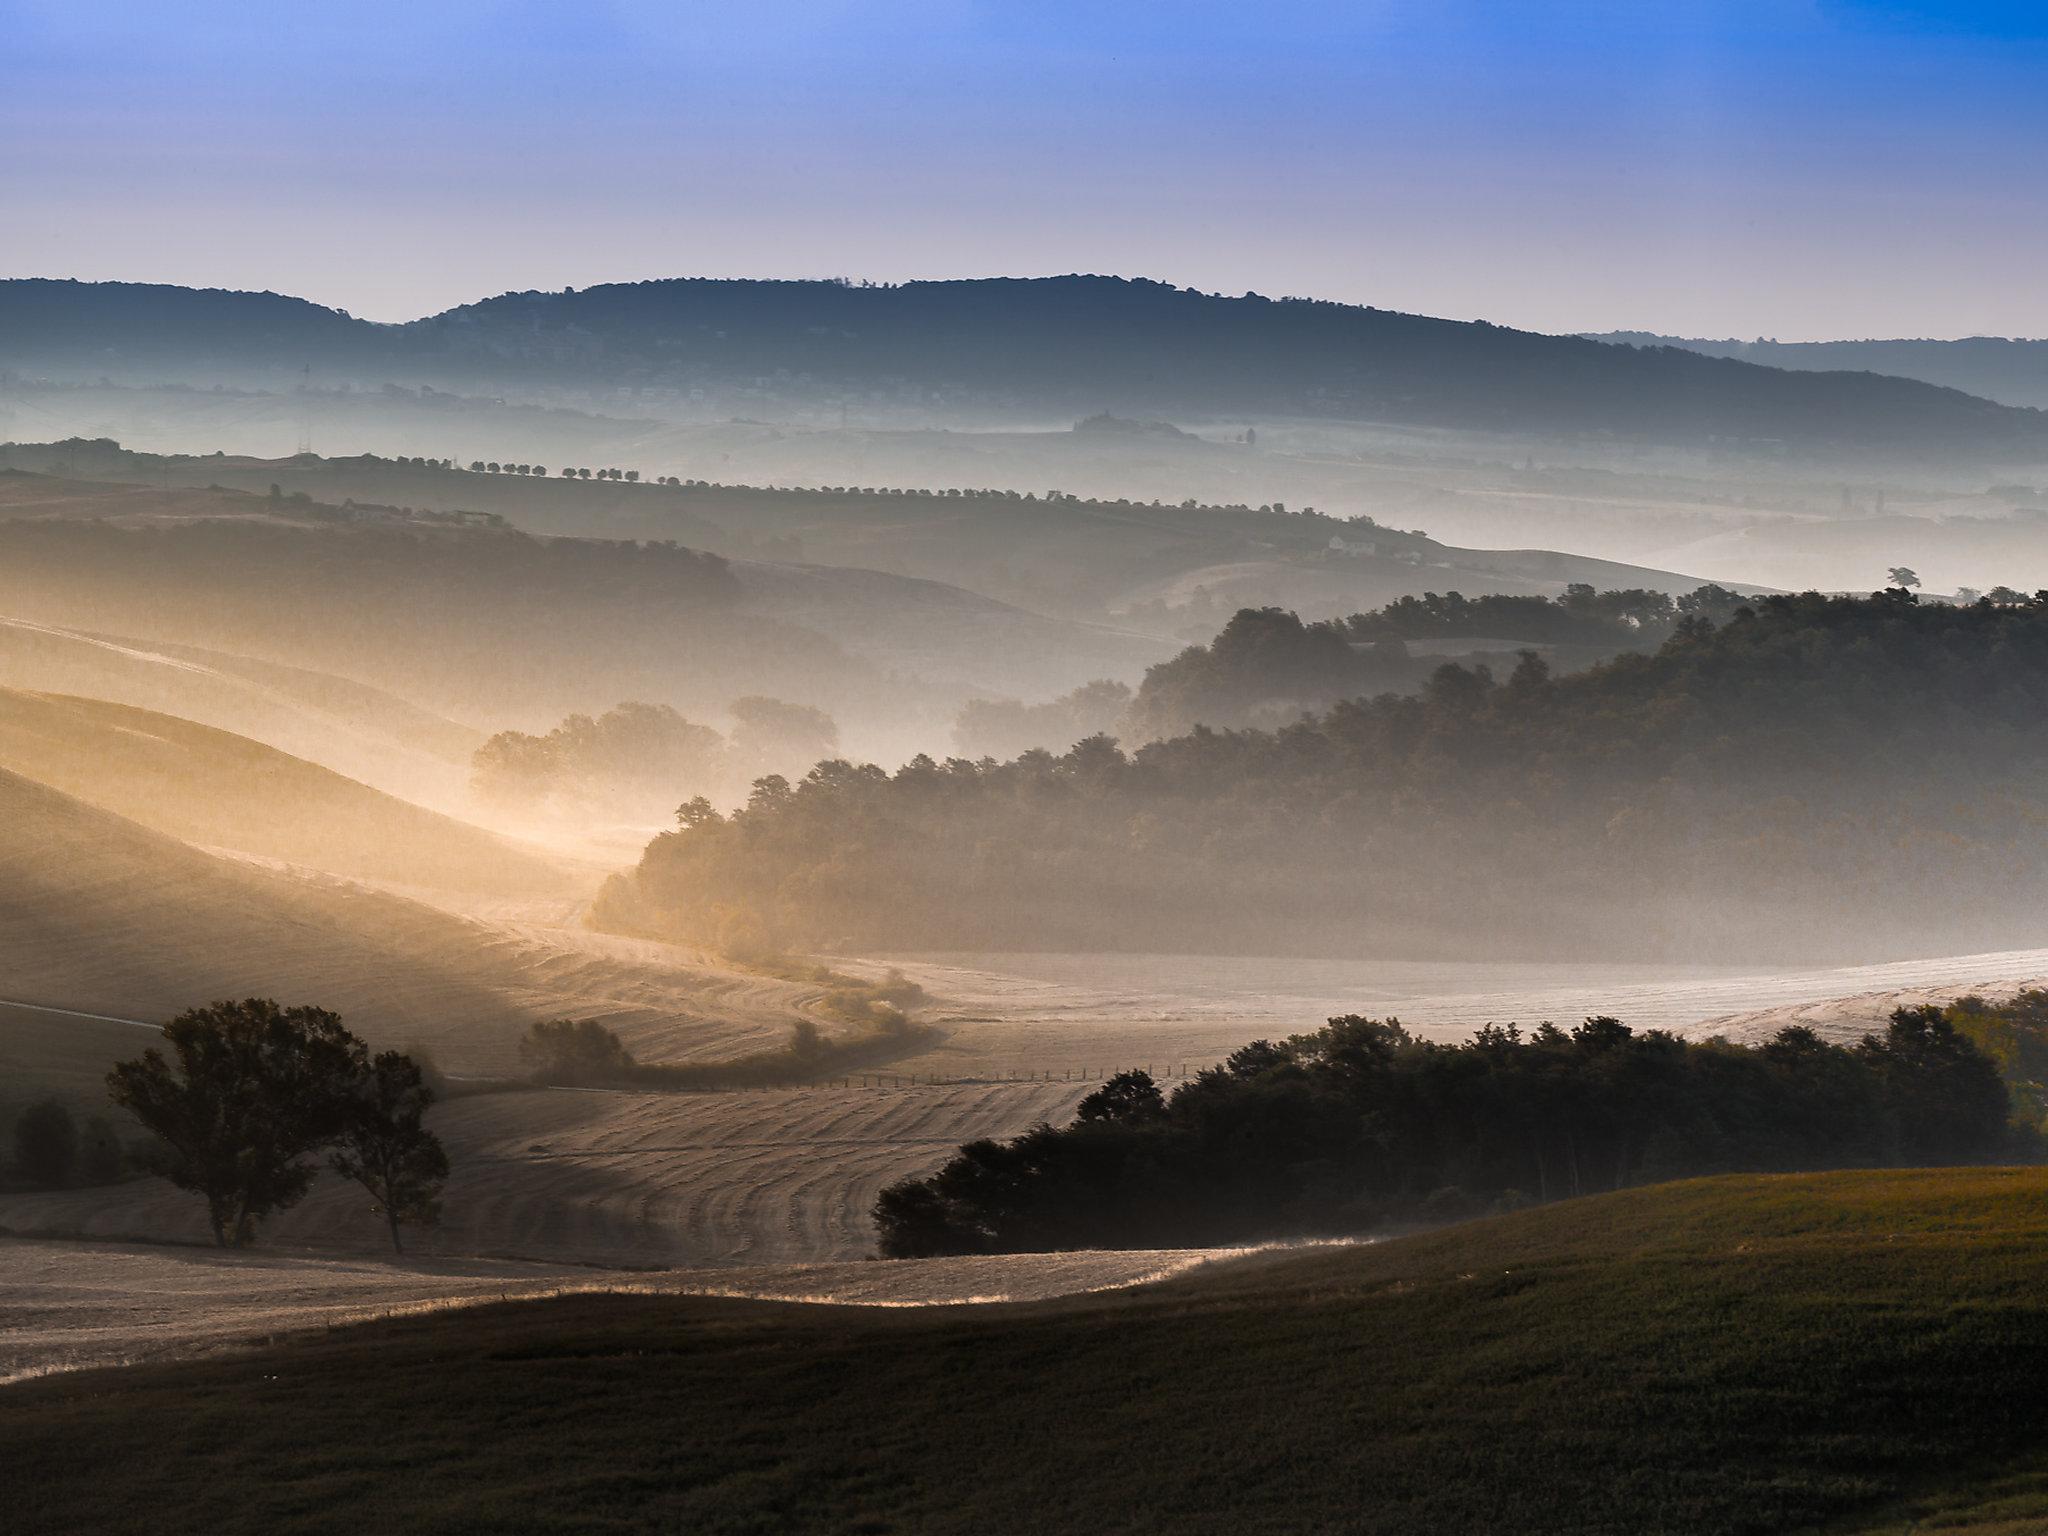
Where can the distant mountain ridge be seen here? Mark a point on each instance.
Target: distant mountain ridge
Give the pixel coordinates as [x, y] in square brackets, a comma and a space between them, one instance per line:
[1062, 345]
[2012, 370]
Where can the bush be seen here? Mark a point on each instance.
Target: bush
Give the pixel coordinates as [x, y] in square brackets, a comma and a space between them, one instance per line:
[574, 1051]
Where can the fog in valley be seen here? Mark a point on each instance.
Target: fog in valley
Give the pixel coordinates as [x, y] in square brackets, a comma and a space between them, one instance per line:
[1335, 853]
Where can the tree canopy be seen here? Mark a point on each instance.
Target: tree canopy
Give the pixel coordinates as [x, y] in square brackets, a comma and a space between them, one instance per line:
[1361, 1124]
[1764, 787]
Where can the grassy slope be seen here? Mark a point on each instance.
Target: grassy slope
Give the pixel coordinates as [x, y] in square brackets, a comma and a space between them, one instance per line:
[1736, 1355]
[210, 787]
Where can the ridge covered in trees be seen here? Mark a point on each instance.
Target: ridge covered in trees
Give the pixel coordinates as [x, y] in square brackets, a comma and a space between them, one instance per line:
[1816, 778]
[1266, 665]
[1067, 343]
[1360, 1123]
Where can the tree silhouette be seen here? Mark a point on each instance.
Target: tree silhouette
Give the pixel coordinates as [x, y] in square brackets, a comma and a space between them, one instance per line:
[385, 1148]
[256, 1088]
[1904, 577]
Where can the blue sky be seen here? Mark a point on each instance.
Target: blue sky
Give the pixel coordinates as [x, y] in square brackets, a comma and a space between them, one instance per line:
[1791, 169]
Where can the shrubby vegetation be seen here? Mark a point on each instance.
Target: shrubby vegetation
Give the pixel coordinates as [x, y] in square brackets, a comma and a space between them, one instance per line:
[254, 1091]
[584, 1053]
[622, 757]
[53, 1151]
[1360, 1124]
[638, 756]
[1005, 727]
[1816, 777]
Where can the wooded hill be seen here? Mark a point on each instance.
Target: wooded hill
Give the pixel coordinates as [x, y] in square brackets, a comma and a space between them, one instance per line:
[1068, 345]
[1816, 778]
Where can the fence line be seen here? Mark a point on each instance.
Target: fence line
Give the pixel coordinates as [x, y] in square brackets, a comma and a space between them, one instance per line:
[1013, 1078]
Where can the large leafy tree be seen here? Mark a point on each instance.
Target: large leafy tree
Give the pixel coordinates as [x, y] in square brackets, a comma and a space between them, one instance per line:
[385, 1148]
[249, 1092]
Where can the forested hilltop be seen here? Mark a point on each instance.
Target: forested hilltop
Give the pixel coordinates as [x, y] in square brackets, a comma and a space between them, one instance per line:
[1266, 665]
[1814, 778]
[1075, 343]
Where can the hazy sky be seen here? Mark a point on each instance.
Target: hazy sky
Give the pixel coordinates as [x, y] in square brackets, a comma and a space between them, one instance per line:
[1799, 169]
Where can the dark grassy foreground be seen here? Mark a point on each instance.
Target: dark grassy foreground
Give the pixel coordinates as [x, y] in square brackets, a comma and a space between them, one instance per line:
[1732, 1355]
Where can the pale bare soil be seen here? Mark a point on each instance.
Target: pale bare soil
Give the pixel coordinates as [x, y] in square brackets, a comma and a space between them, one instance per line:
[69, 1306]
[1031, 1011]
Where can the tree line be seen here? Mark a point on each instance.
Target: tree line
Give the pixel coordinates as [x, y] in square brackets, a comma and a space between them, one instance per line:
[1267, 666]
[646, 757]
[1360, 1125]
[1814, 777]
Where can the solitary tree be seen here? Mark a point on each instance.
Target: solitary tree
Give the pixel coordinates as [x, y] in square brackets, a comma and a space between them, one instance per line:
[1904, 576]
[255, 1088]
[386, 1149]
[46, 1143]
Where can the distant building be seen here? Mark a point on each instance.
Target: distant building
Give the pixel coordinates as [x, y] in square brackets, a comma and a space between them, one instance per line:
[1340, 545]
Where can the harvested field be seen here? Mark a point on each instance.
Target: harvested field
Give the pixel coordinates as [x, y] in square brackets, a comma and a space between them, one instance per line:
[596, 1177]
[1036, 1011]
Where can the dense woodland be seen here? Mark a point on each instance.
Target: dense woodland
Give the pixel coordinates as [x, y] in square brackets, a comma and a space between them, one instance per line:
[1815, 778]
[1360, 1124]
[1267, 666]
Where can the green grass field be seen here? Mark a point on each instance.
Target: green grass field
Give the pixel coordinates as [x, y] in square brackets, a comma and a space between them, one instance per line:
[1846, 1352]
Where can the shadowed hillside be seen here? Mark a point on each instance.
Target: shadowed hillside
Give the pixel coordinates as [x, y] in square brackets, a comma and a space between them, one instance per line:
[1721, 1358]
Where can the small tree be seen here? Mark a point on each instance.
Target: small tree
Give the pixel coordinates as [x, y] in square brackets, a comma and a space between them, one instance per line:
[255, 1089]
[46, 1143]
[385, 1148]
[1904, 577]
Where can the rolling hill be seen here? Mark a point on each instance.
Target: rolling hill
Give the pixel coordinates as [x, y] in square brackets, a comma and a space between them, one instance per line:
[1721, 1358]
[102, 915]
[1025, 347]
[1090, 559]
[342, 724]
[482, 621]
[219, 790]
[2011, 369]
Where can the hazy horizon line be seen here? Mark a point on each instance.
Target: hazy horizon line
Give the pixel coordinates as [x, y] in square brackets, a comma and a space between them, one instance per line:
[1589, 332]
